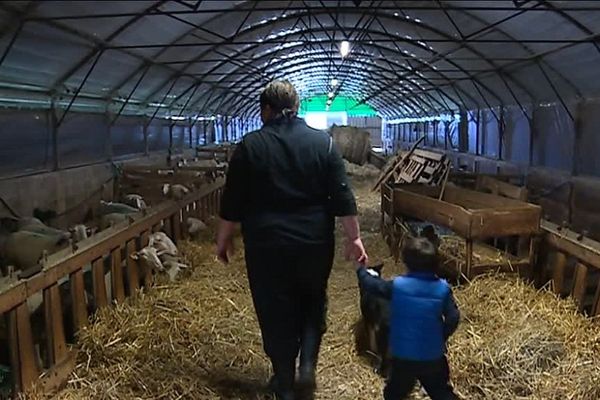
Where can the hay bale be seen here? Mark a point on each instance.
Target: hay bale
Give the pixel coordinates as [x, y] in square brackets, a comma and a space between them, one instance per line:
[353, 143]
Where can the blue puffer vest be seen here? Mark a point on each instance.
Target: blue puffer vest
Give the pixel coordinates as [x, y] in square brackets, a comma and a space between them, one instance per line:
[417, 326]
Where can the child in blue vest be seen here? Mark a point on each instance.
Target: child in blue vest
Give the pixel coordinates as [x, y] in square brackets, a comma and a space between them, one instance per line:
[423, 316]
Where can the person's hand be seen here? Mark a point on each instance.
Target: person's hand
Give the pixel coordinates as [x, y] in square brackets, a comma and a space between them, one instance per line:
[224, 248]
[355, 251]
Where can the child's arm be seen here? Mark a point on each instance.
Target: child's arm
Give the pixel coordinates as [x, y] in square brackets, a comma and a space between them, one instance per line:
[374, 284]
[451, 316]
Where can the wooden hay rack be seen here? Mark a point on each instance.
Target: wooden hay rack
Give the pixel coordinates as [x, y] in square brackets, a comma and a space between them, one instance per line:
[472, 215]
[111, 248]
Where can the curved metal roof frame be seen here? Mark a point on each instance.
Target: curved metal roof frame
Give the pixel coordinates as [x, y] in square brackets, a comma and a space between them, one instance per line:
[371, 28]
[283, 72]
[415, 42]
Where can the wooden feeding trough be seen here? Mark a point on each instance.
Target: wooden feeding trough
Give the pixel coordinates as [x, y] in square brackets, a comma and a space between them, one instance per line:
[473, 216]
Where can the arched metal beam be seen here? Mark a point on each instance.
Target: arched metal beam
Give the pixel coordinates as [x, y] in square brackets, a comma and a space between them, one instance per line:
[356, 86]
[276, 52]
[255, 27]
[308, 64]
[290, 64]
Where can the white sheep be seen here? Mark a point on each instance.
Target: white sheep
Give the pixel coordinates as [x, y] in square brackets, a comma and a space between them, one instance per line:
[177, 191]
[195, 226]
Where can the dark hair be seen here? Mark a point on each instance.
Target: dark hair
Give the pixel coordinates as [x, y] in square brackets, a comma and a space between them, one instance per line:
[419, 254]
[282, 97]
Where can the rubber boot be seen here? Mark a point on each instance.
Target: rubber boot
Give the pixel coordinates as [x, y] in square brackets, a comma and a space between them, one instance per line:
[309, 354]
[282, 382]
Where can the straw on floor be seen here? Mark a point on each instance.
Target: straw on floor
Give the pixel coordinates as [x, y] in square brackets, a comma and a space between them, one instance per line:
[199, 339]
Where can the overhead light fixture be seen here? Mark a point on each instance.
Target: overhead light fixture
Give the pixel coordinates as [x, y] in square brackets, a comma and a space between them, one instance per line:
[329, 102]
[345, 48]
[330, 94]
[334, 82]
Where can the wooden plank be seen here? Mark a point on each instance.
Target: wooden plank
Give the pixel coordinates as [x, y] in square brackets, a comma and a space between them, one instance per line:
[21, 340]
[176, 224]
[586, 250]
[79, 307]
[56, 377]
[116, 272]
[55, 330]
[13, 348]
[133, 276]
[469, 257]
[147, 273]
[99, 285]
[596, 303]
[501, 188]
[66, 261]
[558, 271]
[579, 284]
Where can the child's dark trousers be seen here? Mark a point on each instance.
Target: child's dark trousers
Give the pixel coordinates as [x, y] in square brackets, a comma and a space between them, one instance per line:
[434, 376]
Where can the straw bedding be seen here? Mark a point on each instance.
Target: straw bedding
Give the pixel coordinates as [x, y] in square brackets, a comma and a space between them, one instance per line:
[198, 339]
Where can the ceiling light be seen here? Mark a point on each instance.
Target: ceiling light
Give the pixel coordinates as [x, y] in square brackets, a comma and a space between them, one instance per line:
[345, 48]
[330, 95]
[395, 14]
[334, 82]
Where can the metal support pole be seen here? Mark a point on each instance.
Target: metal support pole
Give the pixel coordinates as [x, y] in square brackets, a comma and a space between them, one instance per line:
[146, 144]
[501, 126]
[478, 133]
[54, 133]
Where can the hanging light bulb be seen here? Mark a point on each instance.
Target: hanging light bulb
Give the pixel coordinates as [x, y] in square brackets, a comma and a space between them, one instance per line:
[345, 48]
[334, 82]
[330, 94]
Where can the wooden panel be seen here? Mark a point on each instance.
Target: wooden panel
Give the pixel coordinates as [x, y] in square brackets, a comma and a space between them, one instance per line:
[176, 224]
[433, 210]
[79, 308]
[596, 303]
[500, 188]
[462, 196]
[487, 224]
[21, 342]
[116, 269]
[586, 250]
[99, 284]
[55, 331]
[56, 377]
[579, 284]
[147, 273]
[64, 262]
[133, 276]
[558, 272]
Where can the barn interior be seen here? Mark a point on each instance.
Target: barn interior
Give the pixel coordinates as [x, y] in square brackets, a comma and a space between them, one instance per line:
[117, 123]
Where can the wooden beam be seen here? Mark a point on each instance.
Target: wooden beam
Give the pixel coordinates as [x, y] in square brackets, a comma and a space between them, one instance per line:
[55, 330]
[586, 250]
[79, 309]
[133, 276]
[21, 342]
[558, 271]
[116, 269]
[579, 285]
[99, 285]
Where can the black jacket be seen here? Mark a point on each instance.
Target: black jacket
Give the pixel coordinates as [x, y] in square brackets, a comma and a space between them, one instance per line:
[286, 183]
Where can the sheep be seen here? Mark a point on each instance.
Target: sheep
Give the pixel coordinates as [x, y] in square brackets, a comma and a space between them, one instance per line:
[109, 220]
[195, 227]
[111, 207]
[134, 200]
[162, 243]
[177, 191]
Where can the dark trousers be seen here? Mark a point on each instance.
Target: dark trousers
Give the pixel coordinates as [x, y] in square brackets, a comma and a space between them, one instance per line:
[289, 286]
[433, 375]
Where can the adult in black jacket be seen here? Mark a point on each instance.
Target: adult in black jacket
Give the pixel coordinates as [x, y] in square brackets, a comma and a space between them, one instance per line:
[286, 184]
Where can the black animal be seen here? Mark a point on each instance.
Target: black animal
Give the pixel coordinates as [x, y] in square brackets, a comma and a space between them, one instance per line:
[429, 232]
[374, 328]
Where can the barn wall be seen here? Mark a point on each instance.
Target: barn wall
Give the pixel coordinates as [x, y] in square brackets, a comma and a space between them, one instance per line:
[78, 170]
[549, 139]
